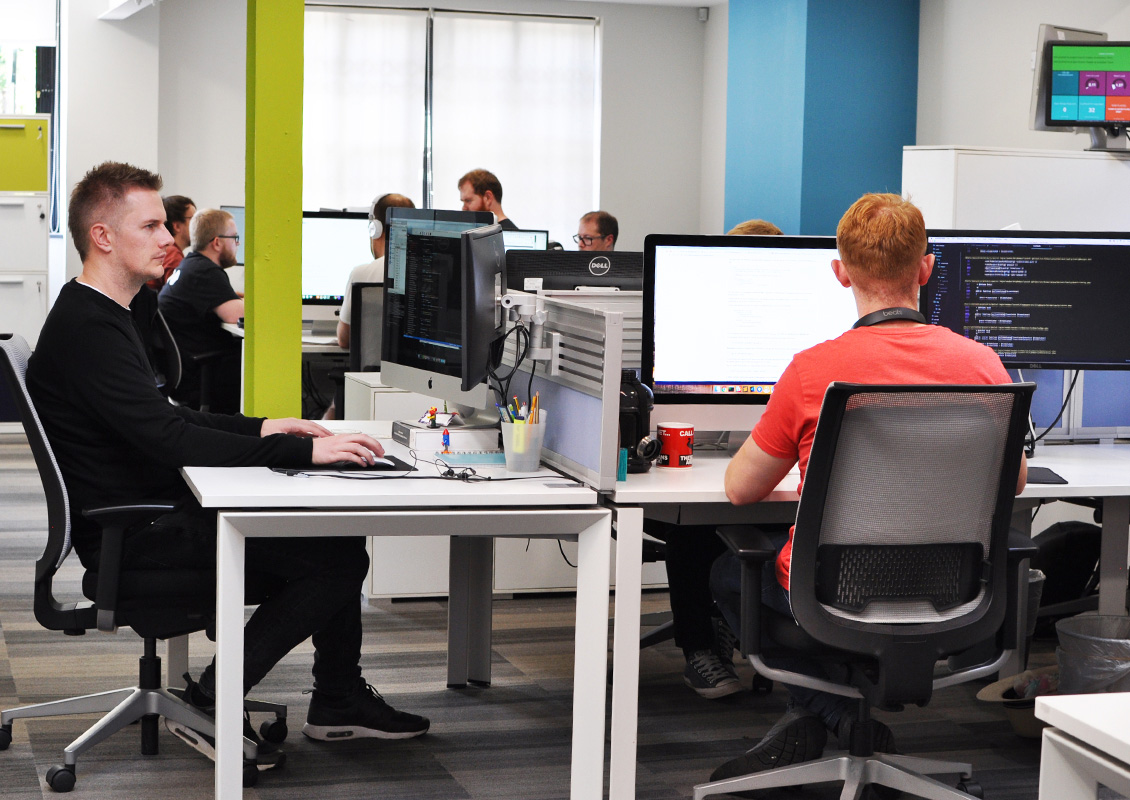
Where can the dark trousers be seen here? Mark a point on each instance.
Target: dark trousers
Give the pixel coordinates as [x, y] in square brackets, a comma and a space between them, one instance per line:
[314, 591]
[690, 550]
[726, 587]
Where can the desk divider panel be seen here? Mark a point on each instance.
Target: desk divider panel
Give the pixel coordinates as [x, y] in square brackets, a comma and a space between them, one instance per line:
[582, 401]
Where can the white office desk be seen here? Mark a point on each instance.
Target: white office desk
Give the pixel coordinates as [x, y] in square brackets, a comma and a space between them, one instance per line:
[1087, 744]
[695, 496]
[257, 502]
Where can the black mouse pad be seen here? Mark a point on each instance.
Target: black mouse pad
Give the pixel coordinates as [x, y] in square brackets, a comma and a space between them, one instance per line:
[1043, 475]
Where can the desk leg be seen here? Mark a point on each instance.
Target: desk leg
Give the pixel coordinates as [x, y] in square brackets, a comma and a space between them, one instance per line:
[626, 653]
[590, 661]
[469, 610]
[176, 661]
[229, 659]
[1070, 768]
[1112, 572]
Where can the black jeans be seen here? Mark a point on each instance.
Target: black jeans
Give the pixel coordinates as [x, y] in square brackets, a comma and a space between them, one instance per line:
[315, 591]
[690, 551]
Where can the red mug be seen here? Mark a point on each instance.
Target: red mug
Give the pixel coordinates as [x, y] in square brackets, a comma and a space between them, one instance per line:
[676, 442]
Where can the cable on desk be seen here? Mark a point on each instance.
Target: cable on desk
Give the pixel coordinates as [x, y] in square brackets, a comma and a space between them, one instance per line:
[1030, 446]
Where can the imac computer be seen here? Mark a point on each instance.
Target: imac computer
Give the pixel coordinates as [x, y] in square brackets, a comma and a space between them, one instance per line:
[568, 270]
[442, 313]
[525, 240]
[237, 213]
[723, 317]
[333, 243]
[1087, 86]
[1040, 300]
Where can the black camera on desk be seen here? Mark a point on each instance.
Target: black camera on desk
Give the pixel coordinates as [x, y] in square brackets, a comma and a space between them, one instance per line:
[635, 422]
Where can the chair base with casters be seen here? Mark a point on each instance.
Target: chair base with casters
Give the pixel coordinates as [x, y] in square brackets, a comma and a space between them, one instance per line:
[144, 703]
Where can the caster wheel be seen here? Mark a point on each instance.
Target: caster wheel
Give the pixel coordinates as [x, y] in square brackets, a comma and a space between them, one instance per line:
[971, 787]
[250, 775]
[274, 731]
[761, 685]
[5, 736]
[60, 778]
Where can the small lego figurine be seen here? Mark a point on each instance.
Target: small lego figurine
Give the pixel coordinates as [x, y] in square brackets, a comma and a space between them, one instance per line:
[432, 417]
[446, 441]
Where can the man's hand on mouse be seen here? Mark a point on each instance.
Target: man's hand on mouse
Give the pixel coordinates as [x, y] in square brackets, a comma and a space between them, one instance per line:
[355, 447]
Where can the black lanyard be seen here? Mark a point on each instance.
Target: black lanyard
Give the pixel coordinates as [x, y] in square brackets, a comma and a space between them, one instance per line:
[884, 314]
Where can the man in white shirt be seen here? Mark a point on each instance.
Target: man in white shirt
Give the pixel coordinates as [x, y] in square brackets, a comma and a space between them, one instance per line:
[373, 271]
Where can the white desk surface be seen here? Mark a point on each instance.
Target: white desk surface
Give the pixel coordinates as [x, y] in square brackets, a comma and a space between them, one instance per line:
[258, 487]
[1096, 719]
[310, 342]
[1090, 470]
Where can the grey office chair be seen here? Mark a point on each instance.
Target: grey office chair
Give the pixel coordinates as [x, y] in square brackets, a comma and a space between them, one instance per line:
[157, 604]
[901, 558]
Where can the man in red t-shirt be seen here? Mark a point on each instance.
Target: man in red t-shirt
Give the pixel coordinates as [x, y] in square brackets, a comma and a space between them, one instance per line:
[883, 260]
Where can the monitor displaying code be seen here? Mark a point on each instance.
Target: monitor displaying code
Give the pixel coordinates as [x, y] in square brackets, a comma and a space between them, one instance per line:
[1040, 300]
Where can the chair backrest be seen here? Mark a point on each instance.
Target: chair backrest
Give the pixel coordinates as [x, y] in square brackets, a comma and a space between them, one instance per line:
[366, 320]
[902, 529]
[166, 347]
[48, 611]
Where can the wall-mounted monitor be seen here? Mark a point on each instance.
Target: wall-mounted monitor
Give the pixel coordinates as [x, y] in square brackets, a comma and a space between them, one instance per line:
[724, 315]
[333, 243]
[1087, 85]
[1051, 33]
[568, 270]
[1041, 300]
[525, 240]
[237, 213]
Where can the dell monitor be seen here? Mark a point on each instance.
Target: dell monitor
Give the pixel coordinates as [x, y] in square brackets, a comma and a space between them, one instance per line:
[443, 280]
[237, 213]
[1087, 85]
[525, 240]
[561, 270]
[724, 315]
[1040, 300]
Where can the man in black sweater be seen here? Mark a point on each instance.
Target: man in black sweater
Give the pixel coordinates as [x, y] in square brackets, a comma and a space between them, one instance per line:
[118, 440]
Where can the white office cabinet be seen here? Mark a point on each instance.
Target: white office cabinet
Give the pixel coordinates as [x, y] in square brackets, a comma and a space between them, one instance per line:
[367, 398]
[23, 304]
[23, 263]
[983, 188]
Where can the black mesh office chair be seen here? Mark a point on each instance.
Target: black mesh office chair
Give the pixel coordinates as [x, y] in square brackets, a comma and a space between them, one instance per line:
[901, 558]
[157, 604]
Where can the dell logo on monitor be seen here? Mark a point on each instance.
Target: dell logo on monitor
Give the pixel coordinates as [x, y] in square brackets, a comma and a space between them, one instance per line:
[600, 266]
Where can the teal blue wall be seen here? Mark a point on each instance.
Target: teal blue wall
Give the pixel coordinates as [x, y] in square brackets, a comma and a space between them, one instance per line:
[821, 98]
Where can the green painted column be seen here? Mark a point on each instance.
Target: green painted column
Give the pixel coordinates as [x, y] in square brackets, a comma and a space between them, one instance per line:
[273, 226]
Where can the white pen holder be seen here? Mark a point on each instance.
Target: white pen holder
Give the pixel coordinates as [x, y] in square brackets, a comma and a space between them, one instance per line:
[521, 442]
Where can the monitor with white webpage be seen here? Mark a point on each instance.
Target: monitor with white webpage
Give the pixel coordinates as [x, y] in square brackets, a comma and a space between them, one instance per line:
[525, 240]
[724, 315]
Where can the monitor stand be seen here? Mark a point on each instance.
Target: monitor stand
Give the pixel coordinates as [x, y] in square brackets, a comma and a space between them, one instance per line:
[1113, 140]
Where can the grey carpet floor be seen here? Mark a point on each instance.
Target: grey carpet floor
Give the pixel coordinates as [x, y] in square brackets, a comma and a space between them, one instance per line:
[510, 740]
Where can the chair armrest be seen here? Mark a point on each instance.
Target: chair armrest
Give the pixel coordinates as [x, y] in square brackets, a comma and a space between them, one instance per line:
[1020, 547]
[115, 521]
[747, 542]
[753, 549]
[207, 356]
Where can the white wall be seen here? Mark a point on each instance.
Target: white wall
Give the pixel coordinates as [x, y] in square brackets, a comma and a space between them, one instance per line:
[203, 109]
[651, 118]
[712, 191]
[109, 93]
[975, 67]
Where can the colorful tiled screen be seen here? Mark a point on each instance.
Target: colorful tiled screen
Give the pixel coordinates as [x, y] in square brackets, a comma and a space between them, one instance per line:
[1090, 84]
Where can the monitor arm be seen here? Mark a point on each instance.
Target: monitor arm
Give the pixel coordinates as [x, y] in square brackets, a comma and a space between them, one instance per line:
[528, 310]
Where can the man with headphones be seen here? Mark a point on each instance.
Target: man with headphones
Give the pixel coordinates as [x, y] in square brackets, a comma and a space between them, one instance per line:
[373, 271]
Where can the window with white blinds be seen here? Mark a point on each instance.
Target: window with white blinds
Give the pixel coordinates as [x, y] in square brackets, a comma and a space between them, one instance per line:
[517, 95]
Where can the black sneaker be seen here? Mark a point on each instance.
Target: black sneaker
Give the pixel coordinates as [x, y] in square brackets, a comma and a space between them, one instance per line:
[363, 714]
[796, 737]
[269, 756]
[883, 741]
[709, 677]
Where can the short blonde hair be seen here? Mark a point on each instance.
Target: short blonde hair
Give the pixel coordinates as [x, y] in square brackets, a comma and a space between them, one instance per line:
[755, 227]
[207, 225]
[881, 239]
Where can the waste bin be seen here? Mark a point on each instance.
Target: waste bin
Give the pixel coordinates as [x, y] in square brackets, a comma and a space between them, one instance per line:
[1093, 654]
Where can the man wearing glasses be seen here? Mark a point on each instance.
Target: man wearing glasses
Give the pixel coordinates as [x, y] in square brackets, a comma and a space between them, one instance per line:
[597, 230]
[197, 299]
